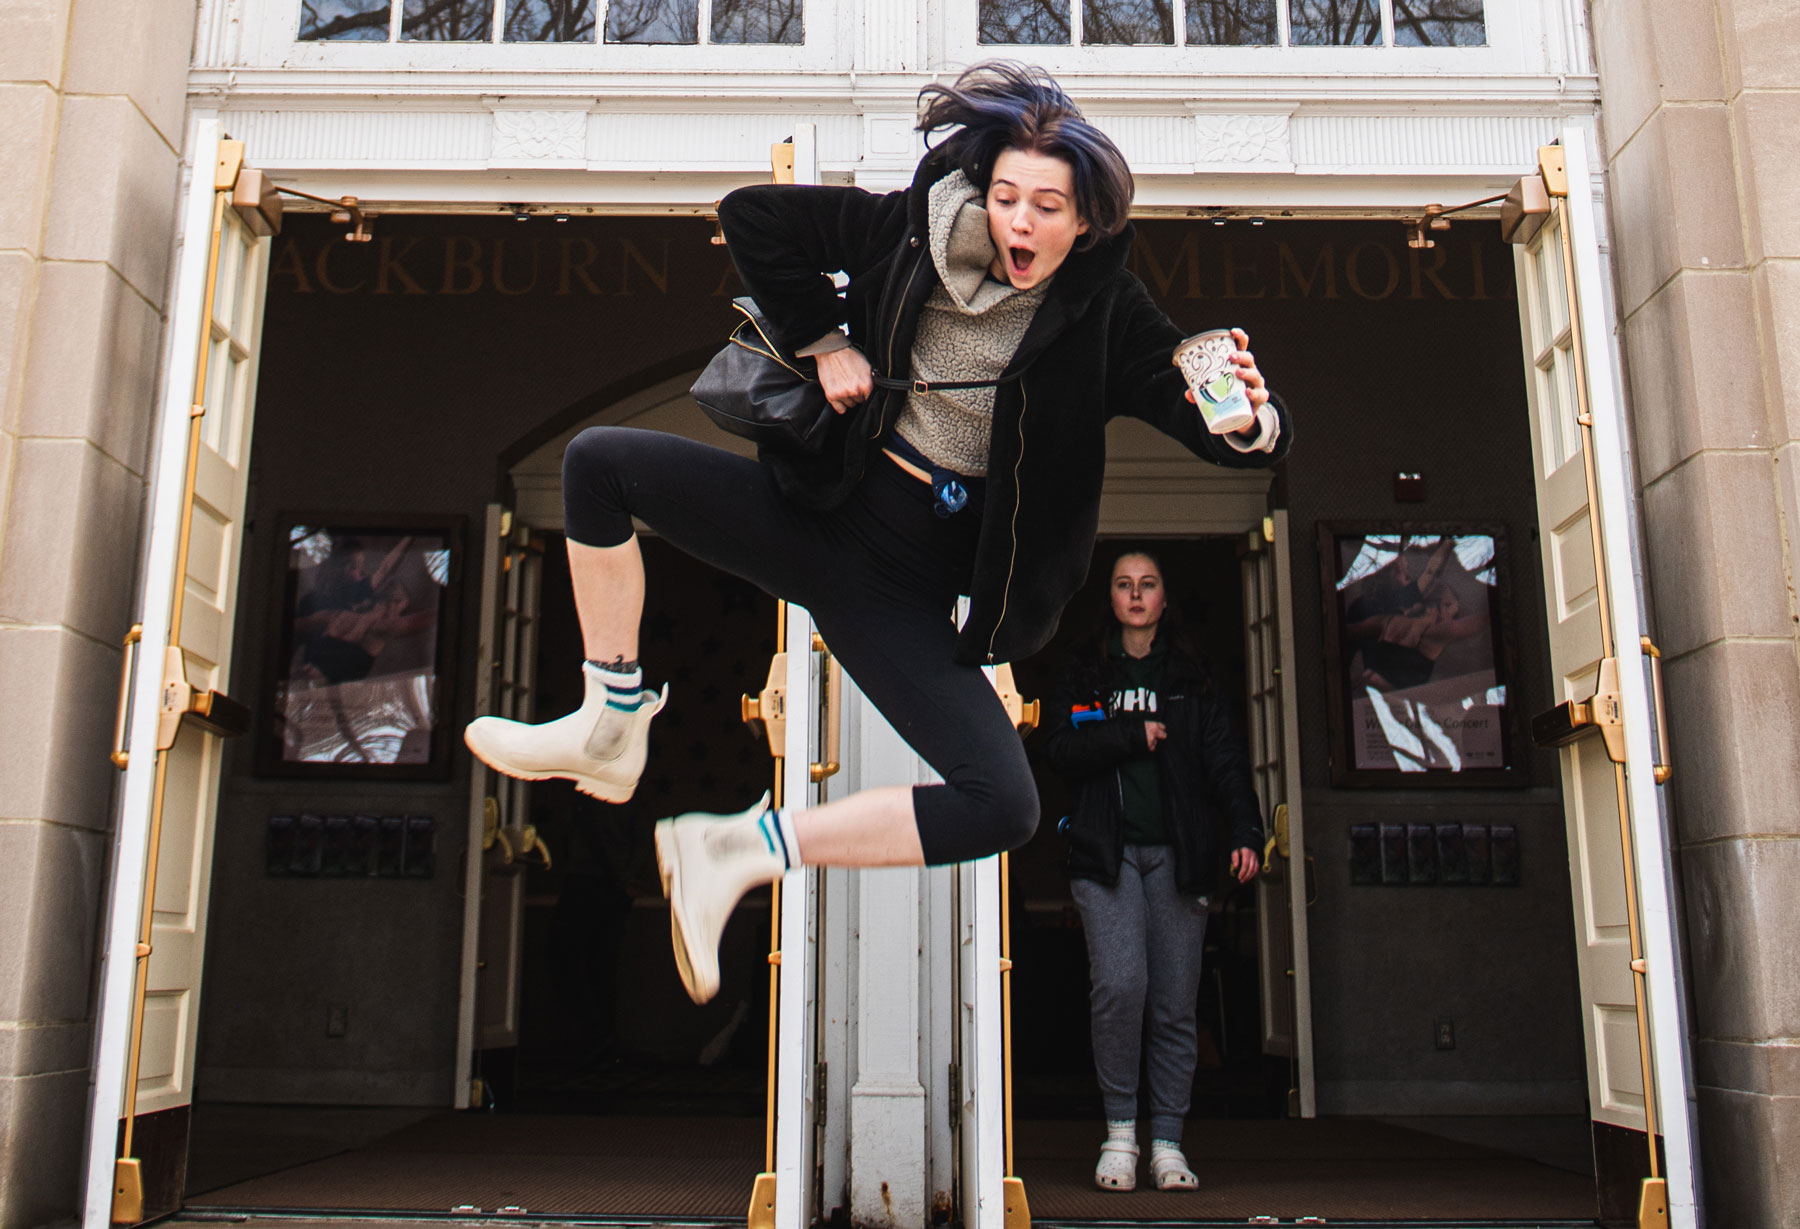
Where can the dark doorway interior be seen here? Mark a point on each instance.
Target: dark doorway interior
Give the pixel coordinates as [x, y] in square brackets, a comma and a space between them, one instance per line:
[1053, 1059]
[623, 1097]
[605, 1027]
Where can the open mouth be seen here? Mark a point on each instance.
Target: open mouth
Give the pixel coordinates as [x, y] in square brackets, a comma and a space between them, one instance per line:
[1018, 260]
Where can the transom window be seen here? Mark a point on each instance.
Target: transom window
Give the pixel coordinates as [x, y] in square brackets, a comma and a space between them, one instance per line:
[693, 22]
[1234, 23]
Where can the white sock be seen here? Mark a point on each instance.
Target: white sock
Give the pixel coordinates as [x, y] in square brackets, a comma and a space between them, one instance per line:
[1160, 1147]
[778, 827]
[1122, 1128]
[624, 688]
[755, 838]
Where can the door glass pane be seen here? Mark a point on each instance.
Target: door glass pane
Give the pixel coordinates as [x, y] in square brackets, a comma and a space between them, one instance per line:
[1439, 23]
[653, 21]
[1231, 23]
[1024, 22]
[1127, 21]
[343, 21]
[447, 21]
[1335, 23]
[758, 21]
[549, 21]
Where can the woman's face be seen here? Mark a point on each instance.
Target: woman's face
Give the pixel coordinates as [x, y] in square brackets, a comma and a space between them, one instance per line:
[1137, 592]
[1031, 216]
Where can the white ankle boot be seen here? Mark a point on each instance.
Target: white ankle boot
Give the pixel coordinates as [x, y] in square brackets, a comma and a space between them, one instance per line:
[708, 862]
[600, 749]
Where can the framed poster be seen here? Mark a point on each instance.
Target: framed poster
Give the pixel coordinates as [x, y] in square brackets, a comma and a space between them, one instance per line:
[1417, 655]
[360, 685]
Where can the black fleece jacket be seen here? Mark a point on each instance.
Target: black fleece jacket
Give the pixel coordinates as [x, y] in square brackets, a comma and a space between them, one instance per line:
[1202, 764]
[1098, 347]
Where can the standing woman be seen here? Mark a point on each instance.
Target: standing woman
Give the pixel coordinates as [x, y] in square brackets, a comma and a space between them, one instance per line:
[995, 287]
[1139, 727]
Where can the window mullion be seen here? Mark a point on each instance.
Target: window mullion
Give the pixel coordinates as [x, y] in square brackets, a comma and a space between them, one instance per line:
[1284, 23]
[1387, 23]
[394, 13]
[703, 22]
[496, 29]
[1075, 23]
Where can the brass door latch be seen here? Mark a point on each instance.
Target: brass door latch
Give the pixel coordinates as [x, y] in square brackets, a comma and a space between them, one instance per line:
[515, 844]
[1021, 712]
[766, 711]
[1602, 711]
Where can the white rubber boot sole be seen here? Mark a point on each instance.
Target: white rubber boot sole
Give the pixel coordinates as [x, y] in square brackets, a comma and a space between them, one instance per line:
[694, 885]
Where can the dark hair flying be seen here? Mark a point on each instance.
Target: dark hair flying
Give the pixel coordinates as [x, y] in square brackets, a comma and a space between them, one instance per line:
[1000, 106]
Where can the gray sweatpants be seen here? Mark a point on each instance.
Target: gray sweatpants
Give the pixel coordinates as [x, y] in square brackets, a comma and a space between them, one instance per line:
[1144, 940]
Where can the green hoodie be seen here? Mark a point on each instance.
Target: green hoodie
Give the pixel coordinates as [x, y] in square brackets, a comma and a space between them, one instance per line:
[1140, 777]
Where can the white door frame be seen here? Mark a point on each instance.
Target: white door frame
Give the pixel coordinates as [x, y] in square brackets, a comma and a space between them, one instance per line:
[1621, 532]
[1274, 746]
[161, 553]
[1617, 501]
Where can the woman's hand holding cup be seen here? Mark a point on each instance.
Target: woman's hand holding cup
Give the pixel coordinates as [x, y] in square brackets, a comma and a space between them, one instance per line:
[1256, 390]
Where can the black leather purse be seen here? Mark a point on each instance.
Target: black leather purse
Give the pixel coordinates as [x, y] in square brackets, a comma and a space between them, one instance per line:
[752, 388]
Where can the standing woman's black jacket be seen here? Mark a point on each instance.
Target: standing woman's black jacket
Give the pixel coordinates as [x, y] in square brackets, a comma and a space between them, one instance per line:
[1204, 770]
[1098, 347]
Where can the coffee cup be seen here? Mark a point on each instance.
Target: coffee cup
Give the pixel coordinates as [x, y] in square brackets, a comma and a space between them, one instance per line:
[1205, 359]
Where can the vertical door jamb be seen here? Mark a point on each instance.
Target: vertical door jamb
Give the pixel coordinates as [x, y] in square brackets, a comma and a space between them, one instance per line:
[473, 864]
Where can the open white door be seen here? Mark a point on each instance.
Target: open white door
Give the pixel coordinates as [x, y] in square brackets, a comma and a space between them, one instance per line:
[172, 707]
[808, 755]
[1273, 741]
[1616, 831]
[982, 1112]
[501, 840]
[992, 1195]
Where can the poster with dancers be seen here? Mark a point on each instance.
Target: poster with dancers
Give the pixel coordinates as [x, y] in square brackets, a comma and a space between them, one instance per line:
[1416, 655]
[359, 685]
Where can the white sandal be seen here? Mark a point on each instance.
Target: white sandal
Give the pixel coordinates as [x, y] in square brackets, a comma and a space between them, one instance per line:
[1117, 1170]
[1169, 1168]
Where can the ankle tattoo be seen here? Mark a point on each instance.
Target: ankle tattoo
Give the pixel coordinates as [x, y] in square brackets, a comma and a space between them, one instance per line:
[617, 665]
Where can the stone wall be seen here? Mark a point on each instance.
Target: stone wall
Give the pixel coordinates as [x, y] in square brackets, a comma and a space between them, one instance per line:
[1701, 100]
[91, 115]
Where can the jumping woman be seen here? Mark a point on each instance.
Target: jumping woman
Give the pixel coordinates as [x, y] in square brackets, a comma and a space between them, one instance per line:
[996, 287]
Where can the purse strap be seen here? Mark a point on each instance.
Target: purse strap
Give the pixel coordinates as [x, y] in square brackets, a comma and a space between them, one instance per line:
[933, 386]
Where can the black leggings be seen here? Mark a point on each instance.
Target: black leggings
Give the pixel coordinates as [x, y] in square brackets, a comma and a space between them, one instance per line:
[880, 575]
